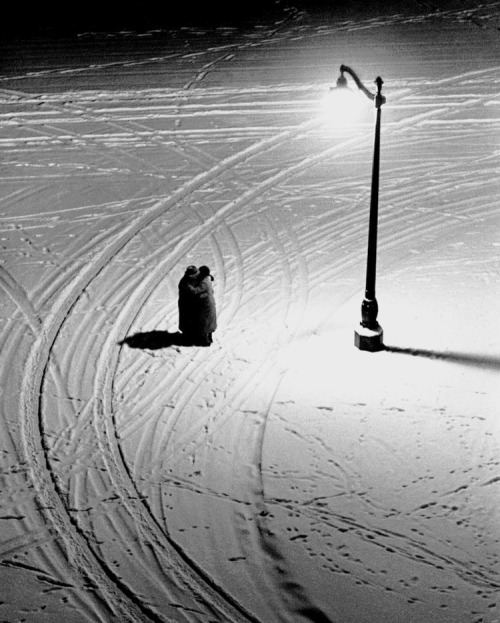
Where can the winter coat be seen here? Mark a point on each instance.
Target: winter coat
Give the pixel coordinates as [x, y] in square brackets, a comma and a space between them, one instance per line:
[205, 313]
[187, 303]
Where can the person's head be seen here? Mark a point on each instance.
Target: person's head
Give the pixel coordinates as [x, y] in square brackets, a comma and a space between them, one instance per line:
[191, 271]
[204, 271]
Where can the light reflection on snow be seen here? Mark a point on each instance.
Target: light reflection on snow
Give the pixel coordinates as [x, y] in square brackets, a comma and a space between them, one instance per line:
[290, 469]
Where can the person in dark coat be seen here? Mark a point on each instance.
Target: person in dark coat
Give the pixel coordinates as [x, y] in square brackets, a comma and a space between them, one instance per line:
[205, 312]
[187, 304]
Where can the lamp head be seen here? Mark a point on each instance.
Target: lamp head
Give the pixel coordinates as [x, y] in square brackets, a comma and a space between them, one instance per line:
[341, 82]
[342, 105]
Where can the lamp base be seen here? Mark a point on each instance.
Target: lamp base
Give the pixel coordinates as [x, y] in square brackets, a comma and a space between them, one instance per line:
[369, 339]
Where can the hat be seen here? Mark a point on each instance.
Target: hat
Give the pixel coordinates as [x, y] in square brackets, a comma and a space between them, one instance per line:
[191, 270]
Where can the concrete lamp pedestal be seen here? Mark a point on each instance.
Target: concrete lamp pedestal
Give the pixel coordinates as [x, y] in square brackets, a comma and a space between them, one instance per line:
[369, 339]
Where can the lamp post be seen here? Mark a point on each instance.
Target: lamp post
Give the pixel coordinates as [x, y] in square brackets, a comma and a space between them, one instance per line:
[369, 335]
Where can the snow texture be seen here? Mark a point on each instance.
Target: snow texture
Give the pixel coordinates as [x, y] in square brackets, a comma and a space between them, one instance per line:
[280, 475]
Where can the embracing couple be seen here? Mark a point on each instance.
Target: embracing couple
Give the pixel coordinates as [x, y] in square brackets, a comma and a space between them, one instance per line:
[197, 313]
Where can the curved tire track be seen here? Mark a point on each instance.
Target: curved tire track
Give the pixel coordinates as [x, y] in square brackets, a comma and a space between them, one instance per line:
[33, 380]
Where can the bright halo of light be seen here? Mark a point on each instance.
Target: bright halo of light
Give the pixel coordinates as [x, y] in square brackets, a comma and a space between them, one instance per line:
[342, 107]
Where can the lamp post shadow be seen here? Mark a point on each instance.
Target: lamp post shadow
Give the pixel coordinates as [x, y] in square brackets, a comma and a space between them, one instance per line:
[475, 360]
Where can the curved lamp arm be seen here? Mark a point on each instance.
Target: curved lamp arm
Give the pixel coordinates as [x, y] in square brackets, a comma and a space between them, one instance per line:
[378, 97]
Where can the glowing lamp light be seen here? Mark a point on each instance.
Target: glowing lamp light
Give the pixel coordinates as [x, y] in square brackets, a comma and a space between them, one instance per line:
[342, 106]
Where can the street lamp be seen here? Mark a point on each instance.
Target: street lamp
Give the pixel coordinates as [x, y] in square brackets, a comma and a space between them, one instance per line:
[369, 335]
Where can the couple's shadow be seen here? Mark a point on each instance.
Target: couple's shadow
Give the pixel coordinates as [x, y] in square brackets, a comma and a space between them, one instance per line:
[154, 340]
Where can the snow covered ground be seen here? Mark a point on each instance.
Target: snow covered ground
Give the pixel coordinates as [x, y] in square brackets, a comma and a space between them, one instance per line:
[280, 475]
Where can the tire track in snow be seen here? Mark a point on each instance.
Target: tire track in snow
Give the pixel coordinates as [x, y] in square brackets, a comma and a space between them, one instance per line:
[18, 295]
[398, 240]
[69, 557]
[271, 184]
[57, 519]
[44, 73]
[186, 398]
[266, 37]
[16, 292]
[416, 233]
[50, 496]
[39, 357]
[246, 199]
[162, 268]
[35, 535]
[173, 556]
[400, 19]
[86, 115]
[243, 200]
[404, 545]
